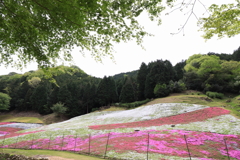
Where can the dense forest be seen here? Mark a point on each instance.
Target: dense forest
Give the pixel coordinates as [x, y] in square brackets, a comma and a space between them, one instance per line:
[81, 93]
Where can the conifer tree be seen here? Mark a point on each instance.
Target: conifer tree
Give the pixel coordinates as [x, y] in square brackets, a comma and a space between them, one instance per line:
[141, 80]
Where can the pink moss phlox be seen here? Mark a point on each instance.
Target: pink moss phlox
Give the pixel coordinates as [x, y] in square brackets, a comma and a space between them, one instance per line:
[9, 129]
[3, 123]
[3, 132]
[195, 116]
[205, 152]
[18, 134]
[204, 145]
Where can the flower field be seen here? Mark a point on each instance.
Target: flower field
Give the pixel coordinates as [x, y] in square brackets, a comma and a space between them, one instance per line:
[160, 131]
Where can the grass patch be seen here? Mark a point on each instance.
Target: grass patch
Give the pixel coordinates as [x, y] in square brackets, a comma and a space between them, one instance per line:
[10, 118]
[63, 154]
[113, 108]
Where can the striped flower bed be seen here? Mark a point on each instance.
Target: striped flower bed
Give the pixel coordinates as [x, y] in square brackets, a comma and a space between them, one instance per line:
[161, 134]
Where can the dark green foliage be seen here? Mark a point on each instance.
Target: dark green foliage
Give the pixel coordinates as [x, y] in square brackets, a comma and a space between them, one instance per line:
[106, 91]
[236, 55]
[159, 72]
[222, 56]
[215, 95]
[127, 94]
[39, 99]
[89, 97]
[119, 85]
[179, 70]
[149, 87]
[129, 90]
[141, 80]
[122, 75]
[193, 81]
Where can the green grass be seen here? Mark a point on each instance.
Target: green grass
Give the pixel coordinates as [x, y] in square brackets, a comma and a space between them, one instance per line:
[11, 118]
[63, 154]
[113, 108]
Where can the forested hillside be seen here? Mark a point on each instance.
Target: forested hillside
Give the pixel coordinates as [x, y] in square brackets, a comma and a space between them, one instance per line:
[81, 93]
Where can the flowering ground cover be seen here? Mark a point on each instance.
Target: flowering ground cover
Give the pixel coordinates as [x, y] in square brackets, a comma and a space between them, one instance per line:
[164, 142]
[8, 130]
[192, 134]
[3, 123]
[195, 116]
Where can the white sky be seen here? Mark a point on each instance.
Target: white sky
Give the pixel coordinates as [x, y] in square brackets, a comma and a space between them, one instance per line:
[163, 45]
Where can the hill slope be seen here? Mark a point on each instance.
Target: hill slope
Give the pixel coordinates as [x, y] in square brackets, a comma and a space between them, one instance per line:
[163, 130]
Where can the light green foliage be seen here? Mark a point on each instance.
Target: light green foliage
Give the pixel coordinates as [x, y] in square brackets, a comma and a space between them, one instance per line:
[47, 31]
[231, 67]
[161, 90]
[39, 73]
[34, 82]
[224, 20]
[202, 64]
[4, 101]
[59, 108]
[214, 95]
[209, 73]
[210, 65]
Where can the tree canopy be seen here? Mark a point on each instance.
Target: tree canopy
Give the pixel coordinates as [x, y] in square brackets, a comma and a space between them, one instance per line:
[37, 30]
[209, 73]
[223, 21]
[46, 31]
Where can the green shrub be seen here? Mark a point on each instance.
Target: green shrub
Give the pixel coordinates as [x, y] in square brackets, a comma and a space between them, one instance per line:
[161, 90]
[214, 95]
[59, 108]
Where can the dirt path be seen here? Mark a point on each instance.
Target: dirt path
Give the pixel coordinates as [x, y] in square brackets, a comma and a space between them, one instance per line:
[58, 158]
[52, 157]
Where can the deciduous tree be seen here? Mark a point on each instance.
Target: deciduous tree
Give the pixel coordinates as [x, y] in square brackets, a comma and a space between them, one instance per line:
[44, 31]
[41, 30]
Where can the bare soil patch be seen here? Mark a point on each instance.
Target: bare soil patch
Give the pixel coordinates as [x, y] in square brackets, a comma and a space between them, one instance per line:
[54, 158]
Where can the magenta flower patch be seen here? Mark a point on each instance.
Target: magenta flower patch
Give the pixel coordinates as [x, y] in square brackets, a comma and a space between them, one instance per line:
[3, 123]
[9, 130]
[166, 142]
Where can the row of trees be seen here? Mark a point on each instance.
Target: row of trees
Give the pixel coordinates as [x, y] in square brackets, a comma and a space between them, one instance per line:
[81, 93]
[35, 91]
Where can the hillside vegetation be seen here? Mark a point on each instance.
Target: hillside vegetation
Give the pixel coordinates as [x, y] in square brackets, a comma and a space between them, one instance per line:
[71, 92]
